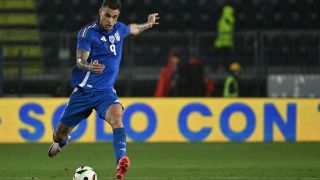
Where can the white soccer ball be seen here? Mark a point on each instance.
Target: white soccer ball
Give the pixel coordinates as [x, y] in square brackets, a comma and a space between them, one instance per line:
[85, 173]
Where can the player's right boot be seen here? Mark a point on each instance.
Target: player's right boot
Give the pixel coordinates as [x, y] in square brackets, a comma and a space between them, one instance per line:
[55, 148]
[123, 166]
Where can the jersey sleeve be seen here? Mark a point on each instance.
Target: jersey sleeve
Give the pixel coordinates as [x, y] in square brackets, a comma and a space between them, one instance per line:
[125, 29]
[84, 40]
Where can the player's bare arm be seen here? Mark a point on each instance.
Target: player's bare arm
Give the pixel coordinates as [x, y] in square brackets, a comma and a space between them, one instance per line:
[83, 64]
[136, 29]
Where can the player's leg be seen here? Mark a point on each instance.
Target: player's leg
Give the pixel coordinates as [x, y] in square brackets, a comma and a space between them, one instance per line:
[114, 118]
[61, 134]
[76, 110]
[61, 137]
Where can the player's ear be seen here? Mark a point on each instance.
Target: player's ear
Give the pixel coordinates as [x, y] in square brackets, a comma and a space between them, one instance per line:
[100, 10]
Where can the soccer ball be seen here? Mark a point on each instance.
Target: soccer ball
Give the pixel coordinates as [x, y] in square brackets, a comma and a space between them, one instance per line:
[85, 173]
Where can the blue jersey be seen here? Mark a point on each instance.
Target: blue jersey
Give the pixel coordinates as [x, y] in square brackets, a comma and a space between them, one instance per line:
[104, 46]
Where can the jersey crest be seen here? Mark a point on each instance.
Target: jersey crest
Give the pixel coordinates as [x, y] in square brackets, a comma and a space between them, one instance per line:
[112, 39]
[117, 35]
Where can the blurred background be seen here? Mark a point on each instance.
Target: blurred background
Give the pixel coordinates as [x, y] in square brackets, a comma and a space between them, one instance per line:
[269, 49]
[274, 45]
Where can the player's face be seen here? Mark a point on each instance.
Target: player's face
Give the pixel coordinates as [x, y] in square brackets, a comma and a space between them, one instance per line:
[108, 17]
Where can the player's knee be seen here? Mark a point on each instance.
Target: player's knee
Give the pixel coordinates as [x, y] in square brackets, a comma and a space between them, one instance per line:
[116, 121]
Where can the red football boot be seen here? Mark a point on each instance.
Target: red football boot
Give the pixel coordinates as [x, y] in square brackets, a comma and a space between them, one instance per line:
[122, 167]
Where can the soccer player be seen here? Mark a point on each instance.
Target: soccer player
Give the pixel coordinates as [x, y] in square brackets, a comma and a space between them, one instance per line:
[99, 49]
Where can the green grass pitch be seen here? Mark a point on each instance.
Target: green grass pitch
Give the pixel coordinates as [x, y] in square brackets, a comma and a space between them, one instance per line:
[166, 161]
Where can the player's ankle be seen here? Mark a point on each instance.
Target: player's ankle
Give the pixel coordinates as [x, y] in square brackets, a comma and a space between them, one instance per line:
[65, 141]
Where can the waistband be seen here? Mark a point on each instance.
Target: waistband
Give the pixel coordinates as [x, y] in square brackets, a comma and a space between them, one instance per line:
[91, 90]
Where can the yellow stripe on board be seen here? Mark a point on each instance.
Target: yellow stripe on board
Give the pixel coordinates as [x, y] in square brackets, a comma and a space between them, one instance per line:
[27, 51]
[17, 4]
[30, 69]
[19, 35]
[18, 19]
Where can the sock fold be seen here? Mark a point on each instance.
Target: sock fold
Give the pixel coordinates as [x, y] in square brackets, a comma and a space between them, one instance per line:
[65, 141]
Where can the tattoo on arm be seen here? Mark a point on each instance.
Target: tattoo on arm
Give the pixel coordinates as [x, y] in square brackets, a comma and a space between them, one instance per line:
[139, 28]
[82, 57]
[142, 27]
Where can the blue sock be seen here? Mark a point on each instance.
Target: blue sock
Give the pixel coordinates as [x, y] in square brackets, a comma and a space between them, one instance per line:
[65, 141]
[119, 143]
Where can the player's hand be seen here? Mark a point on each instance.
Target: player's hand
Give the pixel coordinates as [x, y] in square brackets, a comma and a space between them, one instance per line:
[95, 67]
[153, 19]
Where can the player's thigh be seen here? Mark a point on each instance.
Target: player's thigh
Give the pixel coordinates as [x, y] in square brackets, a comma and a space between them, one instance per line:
[78, 108]
[109, 108]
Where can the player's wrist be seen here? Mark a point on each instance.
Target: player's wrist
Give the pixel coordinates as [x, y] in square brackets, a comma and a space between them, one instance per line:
[148, 25]
[84, 65]
[90, 67]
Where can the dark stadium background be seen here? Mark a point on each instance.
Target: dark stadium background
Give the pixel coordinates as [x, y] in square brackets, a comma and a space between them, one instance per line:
[274, 37]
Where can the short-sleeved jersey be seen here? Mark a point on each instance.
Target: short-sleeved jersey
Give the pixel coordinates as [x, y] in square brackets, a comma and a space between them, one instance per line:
[104, 46]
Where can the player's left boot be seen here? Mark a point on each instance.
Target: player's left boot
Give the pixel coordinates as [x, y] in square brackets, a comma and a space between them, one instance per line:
[123, 166]
[55, 148]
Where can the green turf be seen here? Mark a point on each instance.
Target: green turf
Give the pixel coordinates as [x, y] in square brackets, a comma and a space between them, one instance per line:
[164, 161]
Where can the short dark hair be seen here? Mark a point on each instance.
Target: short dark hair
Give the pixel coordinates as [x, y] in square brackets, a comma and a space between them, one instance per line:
[112, 4]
